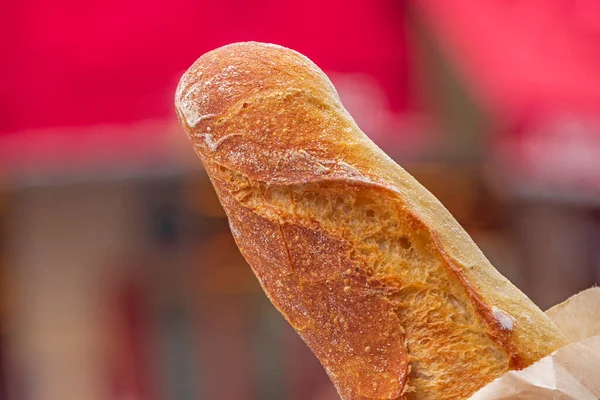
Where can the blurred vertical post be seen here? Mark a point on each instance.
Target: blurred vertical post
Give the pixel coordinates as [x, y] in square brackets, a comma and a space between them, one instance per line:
[62, 240]
[5, 285]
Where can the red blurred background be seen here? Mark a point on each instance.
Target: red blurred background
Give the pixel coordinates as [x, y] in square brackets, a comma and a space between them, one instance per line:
[119, 277]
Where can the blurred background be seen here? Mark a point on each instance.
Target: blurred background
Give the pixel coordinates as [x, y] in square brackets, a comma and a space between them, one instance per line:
[119, 279]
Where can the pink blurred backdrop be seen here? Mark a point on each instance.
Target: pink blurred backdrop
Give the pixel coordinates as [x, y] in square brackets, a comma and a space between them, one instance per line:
[119, 278]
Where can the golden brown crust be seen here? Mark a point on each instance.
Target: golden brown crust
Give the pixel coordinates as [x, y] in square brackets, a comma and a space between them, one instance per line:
[380, 281]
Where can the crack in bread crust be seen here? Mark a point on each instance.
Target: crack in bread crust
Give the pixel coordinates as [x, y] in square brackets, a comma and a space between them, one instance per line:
[325, 295]
[397, 259]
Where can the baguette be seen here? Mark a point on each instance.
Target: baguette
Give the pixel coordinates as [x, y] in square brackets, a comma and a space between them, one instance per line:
[377, 277]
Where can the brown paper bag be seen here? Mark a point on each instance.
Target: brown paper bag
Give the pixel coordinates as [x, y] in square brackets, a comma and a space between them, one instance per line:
[570, 373]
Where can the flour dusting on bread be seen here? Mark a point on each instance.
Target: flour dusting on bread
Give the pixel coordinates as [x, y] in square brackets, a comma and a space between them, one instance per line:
[505, 320]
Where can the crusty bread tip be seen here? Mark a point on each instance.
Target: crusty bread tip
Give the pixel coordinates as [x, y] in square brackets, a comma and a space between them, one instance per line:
[376, 276]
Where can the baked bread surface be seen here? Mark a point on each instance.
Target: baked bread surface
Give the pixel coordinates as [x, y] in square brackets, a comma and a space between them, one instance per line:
[377, 277]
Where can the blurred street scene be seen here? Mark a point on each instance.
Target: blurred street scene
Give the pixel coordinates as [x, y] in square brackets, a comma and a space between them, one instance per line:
[119, 278]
